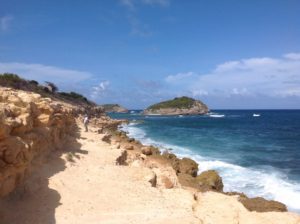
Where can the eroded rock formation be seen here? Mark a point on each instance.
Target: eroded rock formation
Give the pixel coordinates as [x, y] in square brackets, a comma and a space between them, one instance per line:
[30, 127]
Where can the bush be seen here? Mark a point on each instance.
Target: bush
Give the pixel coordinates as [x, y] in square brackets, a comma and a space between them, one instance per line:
[11, 80]
[33, 82]
[74, 96]
[51, 87]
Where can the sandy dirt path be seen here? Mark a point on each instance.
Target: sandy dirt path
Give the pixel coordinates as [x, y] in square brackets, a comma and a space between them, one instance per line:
[93, 189]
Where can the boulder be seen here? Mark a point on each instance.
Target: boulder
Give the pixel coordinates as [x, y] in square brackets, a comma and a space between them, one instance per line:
[210, 180]
[150, 150]
[173, 160]
[121, 160]
[187, 180]
[106, 138]
[129, 147]
[188, 166]
[146, 151]
[152, 179]
[167, 183]
[259, 204]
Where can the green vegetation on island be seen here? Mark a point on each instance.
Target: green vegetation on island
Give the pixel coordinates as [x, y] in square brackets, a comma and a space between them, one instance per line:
[178, 102]
[178, 106]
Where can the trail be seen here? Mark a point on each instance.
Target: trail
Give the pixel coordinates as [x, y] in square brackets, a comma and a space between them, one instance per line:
[93, 189]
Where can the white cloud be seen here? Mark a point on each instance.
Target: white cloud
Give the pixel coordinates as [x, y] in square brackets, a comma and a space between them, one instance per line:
[128, 3]
[293, 56]
[179, 77]
[157, 2]
[269, 77]
[99, 90]
[42, 73]
[138, 28]
[131, 4]
[5, 22]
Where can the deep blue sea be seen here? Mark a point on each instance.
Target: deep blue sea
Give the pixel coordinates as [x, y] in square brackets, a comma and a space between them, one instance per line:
[257, 155]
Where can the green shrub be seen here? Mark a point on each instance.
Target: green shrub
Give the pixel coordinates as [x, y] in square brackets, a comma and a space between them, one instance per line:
[12, 80]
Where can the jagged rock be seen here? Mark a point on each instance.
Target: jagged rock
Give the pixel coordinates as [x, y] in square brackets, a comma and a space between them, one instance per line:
[106, 138]
[184, 166]
[129, 147]
[187, 180]
[259, 204]
[30, 127]
[210, 180]
[173, 160]
[146, 151]
[188, 166]
[121, 160]
[152, 179]
[167, 182]
[131, 140]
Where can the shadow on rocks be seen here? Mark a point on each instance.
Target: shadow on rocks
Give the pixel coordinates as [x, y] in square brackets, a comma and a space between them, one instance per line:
[34, 202]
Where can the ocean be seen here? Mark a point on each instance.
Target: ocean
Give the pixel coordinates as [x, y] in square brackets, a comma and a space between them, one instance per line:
[255, 154]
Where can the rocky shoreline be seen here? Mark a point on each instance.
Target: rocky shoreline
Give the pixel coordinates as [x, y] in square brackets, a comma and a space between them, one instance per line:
[185, 169]
[45, 155]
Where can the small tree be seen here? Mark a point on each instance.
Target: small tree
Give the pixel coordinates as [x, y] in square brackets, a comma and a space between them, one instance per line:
[51, 87]
[33, 82]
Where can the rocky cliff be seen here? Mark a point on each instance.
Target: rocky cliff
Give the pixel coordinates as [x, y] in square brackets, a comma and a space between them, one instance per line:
[177, 106]
[30, 127]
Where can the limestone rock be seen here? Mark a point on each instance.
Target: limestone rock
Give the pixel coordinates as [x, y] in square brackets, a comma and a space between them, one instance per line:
[107, 138]
[152, 179]
[188, 181]
[259, 204]
[173, 160]
[129, 147]
[30, 127]
[121, 160]
[188, 166]
[210, 180]
[167, 182]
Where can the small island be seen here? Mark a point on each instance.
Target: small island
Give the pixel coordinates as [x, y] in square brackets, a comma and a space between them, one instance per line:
[114, 108]
[178, 106]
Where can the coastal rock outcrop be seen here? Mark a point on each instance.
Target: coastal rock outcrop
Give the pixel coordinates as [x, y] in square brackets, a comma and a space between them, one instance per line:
[210, 180]
[260, 204]
[178, 106]
[114, 108]
[31, 127]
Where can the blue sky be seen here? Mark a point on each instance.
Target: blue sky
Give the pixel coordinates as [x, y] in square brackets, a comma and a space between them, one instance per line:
[230, 54]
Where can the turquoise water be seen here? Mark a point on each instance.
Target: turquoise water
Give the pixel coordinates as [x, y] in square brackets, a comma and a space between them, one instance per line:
[259, 156]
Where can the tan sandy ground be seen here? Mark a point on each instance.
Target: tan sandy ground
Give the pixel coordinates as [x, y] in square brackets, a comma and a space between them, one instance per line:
[95, 190]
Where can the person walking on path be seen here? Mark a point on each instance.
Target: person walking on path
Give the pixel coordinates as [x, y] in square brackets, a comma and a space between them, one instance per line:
[86, 122]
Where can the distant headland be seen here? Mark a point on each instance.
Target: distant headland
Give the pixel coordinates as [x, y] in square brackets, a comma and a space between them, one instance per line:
[177, 106]
[114, 108]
